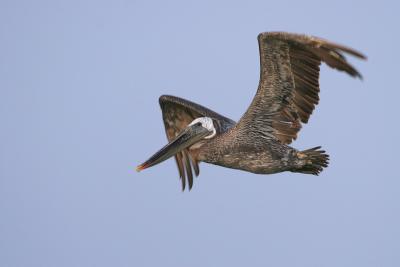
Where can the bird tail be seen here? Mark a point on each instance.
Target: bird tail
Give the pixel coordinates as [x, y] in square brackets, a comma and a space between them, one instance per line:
[312, 161]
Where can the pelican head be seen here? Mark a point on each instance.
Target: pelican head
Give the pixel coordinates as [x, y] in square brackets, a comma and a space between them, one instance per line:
[206, 123]
[198, 129]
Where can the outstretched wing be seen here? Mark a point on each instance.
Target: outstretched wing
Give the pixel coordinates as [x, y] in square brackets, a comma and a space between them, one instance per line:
[288, 90]
[177, 114]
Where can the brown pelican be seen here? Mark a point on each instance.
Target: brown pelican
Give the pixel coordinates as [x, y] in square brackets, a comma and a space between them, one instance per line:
[286, 96]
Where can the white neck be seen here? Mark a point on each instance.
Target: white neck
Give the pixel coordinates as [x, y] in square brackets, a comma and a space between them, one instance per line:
[207, 123]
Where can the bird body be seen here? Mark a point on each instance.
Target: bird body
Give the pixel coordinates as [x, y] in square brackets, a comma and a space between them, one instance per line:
[259, 142]
[266, 157]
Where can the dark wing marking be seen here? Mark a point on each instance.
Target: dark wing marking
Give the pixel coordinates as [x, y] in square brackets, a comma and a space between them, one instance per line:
[288, 90]
[177, 114]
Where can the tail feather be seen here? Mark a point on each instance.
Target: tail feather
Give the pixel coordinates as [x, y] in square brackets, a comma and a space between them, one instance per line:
[313, 160]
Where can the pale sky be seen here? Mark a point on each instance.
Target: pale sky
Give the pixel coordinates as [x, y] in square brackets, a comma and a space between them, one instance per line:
[79, 88]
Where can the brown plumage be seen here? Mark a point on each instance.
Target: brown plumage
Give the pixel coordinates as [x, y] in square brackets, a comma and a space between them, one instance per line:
[287, 94]
[177, 114]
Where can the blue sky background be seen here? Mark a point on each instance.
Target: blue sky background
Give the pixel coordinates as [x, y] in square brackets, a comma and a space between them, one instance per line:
[79, 88]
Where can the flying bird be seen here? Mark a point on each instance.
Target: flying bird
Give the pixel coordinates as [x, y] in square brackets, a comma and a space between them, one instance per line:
[259, 142]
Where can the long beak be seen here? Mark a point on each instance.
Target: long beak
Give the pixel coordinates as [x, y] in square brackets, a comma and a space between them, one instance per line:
[186, 138]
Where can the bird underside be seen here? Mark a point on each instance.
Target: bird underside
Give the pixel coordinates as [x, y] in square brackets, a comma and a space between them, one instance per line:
[268, 158]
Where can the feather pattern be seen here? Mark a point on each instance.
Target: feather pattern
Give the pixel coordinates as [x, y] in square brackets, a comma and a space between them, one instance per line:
[177, 114]
[289, 88]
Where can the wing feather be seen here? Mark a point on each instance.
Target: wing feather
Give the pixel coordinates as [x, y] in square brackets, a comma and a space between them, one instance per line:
[289, 82]
[177, 114]
[188, 168]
